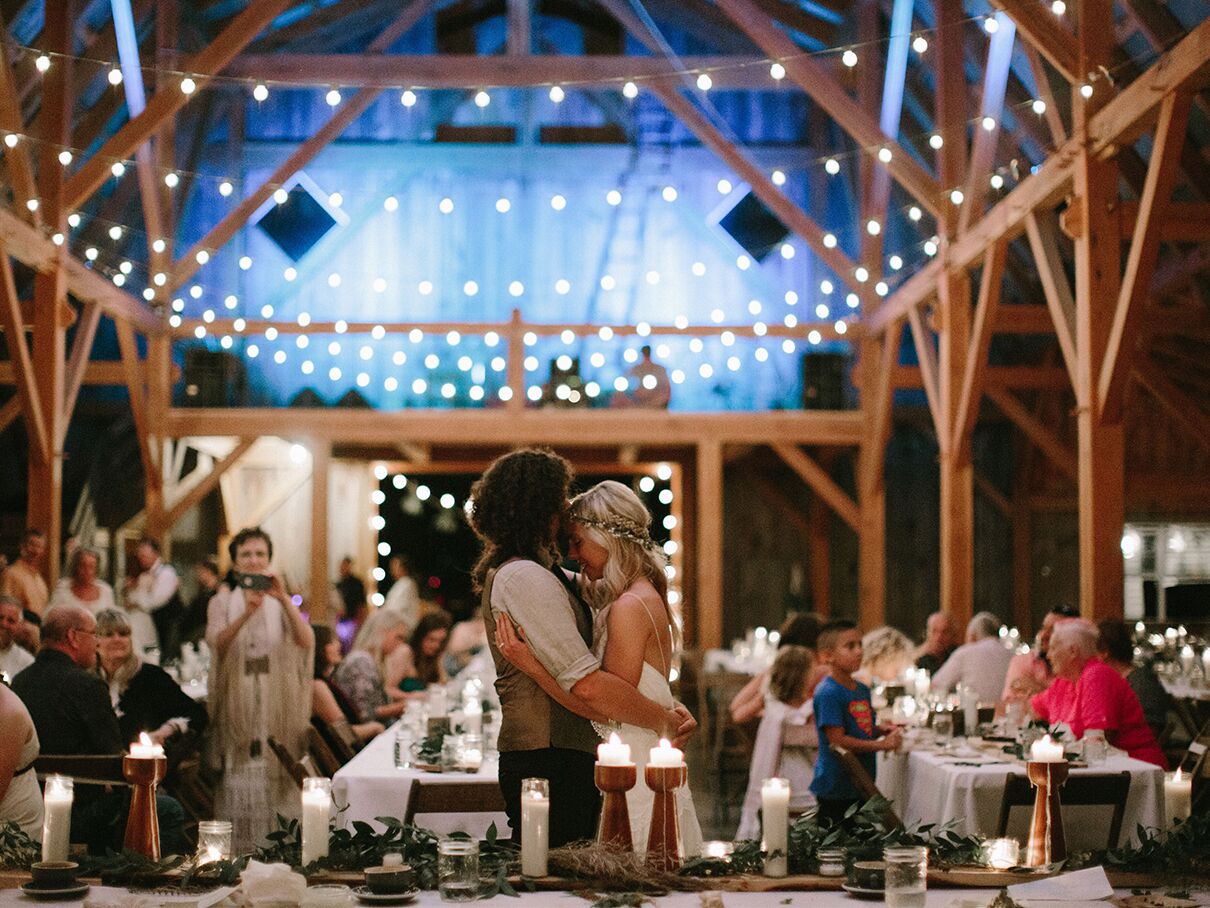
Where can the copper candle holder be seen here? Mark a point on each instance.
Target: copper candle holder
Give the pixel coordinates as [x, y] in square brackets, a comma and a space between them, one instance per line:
[663, 842]
[1047, 843]
[143, 822]
[614, 782]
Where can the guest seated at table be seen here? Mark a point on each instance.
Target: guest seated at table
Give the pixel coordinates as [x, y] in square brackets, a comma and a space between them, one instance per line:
[787, 740]
[844, 717]
[981, 663]
[144, 696]
[1088, 694]
[888, 653]
[13, 657]
[418, 662]
[328, 701]
[361, 676]
[1030, 673]
[799, 629]
[73, 716]
[81, 586]
[468, 638]
[1116, 649]
[20, 797]
[940, 641]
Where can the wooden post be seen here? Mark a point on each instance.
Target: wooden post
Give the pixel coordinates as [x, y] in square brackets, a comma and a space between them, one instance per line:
[317, 589]
[515, 368]
[709, 554]
[820, 566]
[1098, 276]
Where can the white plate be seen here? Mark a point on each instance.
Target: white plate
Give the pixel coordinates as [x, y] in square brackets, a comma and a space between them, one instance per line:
[45, 895]
[863, 893]
[366, 897]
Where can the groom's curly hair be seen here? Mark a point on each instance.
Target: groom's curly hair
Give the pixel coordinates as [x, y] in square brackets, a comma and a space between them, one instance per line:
[512, 506]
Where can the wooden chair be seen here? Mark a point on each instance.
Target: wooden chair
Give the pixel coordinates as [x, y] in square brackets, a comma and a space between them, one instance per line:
[866, 787]
[714, 693]
[338, 736]
[321, 753]
[85, 769]
[479, 796]
[300, 768]
[730, 753]
[1101, 790]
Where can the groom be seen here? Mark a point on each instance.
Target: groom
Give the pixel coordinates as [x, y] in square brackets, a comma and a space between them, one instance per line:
[516, 509]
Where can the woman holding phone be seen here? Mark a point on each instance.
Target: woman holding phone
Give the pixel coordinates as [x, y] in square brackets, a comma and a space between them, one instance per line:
[260, 678]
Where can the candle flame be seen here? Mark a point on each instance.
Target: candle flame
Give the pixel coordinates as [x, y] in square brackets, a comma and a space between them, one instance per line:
[613, 738]
[1176, 777]
[665, 743]
[1046, 739]
[145, 739]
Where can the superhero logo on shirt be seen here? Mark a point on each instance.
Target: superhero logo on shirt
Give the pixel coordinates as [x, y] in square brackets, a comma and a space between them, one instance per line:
[863, 716]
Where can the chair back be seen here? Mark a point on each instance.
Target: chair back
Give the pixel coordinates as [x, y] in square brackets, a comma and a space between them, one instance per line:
[715, 691]
[319, 751]
[298, 769]
[861, 780]
[1099, 790]
[477, 796]
[338, 736]
[85, 769]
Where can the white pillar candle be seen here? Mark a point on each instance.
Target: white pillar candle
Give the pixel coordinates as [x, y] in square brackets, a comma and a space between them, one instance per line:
[1206, 662]
[472, 716]
[922, 683]
[664, 754]
[145, 748]
[56, 820]
[438, 702]
[970, 710]
[316, 809]
[1186, 658]
[613, 752]
[535, 826]
[1044, 750]
[1178, 797]
[775, 824]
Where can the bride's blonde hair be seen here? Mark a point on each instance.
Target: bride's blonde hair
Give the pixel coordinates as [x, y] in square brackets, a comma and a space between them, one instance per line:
[615, 518]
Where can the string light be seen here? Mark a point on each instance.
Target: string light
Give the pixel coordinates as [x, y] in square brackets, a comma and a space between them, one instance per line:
[557, 94]
[115, 76]
[669, 194]
[1058, 7]
[884, 155]
[42, 64]
[65, 158]
[171, 180]
[990, 25]
[997, 181]
[779, 178]
[1039, 106]
[482, 99]
[849, 59]
[915, 213]
[503, 206]
[936, 141]
[832, 166]
[225, 188]
[989, 124]
[408, 98]
[630, 91]
[558, 202]
[920, 44]
[613, 197]
[704, 82]
[188, 86]
[332, 97]
[1086, 90]
[11, 140]
[280, 196]
[956, 196]
[118, 169]
[446, 205]
[777, 72]
[260, 92]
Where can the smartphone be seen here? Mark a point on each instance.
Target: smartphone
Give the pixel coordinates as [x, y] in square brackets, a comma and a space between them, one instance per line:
[260, 582]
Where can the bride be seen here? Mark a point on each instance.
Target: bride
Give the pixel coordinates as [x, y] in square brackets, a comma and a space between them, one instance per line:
[633, 632]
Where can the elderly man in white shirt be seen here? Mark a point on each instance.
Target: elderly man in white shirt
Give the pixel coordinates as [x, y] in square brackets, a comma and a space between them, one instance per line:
[152, 605]
[981, 663]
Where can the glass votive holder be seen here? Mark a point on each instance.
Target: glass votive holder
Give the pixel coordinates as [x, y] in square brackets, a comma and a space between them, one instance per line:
[1002, 854]
[831, 861]
[906, 875]
[451, 752]
[213, 841]
[458, 869]
[327, 895]
[472, 752]
[719, 851]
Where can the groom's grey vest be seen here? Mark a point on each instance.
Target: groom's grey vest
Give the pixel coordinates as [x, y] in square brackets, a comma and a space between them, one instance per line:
[532, 720]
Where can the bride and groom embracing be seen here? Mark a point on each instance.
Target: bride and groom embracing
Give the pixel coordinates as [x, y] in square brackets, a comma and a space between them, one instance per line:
[574, 651]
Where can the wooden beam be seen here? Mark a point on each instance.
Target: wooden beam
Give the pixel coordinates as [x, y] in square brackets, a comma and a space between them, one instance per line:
[1183, 410]
[137, 388]
[1185, 67]
[28, 395]
[1023, 378]
[25, 244]
[78, 361]
[1184, 222]
[520, 27]
[1042, 437]
[811, 76]
[319, 584]
[18, 161]
[1022, 319]
[165, 103]
[998, 499]
[10, 410]
[1044, 241]
[986, 310]
[218, 236]
[1144, 253]
[777, 201]
[709, 549]
[991, 105]
[208, 484]
[820, 482]
[103, 372]
[1043, 31]
[1054, 120]
[926, 353]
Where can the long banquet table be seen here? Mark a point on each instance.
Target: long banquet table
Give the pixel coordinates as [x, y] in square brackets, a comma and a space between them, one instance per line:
[372, 787]
[930, 787]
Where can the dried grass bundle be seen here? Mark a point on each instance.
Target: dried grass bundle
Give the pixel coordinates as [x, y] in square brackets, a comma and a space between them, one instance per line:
[604, 868]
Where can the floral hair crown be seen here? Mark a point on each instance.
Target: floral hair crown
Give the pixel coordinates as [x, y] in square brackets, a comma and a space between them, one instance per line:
[618, 526]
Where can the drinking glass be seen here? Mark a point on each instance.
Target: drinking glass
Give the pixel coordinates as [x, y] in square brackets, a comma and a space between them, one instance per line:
[458, 870]
[405, 738]
[943, 728]
[1096, 748]
[906, 876]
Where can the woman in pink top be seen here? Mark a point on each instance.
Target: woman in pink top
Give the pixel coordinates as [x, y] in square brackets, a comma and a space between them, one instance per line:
[1030, 673]
[1087, 693]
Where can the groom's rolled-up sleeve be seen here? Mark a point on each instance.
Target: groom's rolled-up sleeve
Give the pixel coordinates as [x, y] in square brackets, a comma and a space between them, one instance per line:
[538, 603]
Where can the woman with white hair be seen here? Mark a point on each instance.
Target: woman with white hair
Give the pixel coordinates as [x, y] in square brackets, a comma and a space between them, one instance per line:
[634, 632]
[361, 674]
[886, 654]
[1088, 694]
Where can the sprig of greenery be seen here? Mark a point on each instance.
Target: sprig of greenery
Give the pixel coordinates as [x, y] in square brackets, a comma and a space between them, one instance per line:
[17, 850]
[129, 868]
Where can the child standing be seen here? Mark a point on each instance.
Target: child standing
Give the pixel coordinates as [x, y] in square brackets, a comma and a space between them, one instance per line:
[844, 718]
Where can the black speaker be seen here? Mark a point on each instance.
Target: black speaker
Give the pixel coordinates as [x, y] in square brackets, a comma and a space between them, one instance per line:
[824, 381]
[297, 224]
[754, 227]
[213, 378]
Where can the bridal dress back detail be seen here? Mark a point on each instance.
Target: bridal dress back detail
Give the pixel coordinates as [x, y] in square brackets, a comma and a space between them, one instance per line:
[654, 686]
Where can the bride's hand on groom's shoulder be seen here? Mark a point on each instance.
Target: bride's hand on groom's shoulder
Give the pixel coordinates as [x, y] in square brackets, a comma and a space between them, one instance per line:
[510, 641]
[685, 727]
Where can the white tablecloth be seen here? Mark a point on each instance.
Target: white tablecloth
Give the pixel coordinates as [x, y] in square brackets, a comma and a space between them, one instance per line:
[1183, 690]
[927, 787]
[724, 660]
[372, 787]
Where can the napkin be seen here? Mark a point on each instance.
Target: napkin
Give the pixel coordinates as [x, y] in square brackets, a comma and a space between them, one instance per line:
[271, 884]
[1068, 888]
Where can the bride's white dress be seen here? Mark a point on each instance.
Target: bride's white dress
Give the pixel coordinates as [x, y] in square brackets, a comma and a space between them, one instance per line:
[654, 686]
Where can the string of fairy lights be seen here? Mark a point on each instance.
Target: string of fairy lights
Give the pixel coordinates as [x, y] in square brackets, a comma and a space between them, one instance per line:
[129, 269]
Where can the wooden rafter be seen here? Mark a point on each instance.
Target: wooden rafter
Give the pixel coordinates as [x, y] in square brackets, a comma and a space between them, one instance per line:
[1043, 438]
[983, 150]
[206, 485]
[9, 412]
[998, 499]
[1054, 119]
[77, 361]
[1183, 410]
[1183, 222]
[878, 412]
[136, 386]
[20, 166]
[821, 87]
[165, 103]
[1044, 241]
[1144, 253]
[926, 354]
[1044, 31]
[230, 225]
[982, 327]
[820, 482]
[28, 394]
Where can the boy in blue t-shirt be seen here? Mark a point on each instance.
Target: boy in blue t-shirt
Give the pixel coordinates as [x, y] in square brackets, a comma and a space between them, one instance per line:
[844, 718]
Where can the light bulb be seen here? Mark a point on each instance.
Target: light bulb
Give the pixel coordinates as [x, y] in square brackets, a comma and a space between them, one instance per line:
[1058, 7]
[915, 213]
[482, 99]
[777, 71]
[669, 194]
[260, 93]
[1039, 106]
[990, 25]
[408, 98]
[557, 94]
[988, 123]
[779, 178]
[115, 76]
[832, 166]
[558, 202]
[225, 188]
[920, 44]
[42, 63]
[1086, 90]
[872, 227]
[997, 181]
[171, 180]
[65, 158]
[280, 196]
[849, 59]
[332, 97]
[613, 197]
[117, 169]
[704, 82]
[936, 141]
[884, 155]
[188, 86]
[630, 91]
